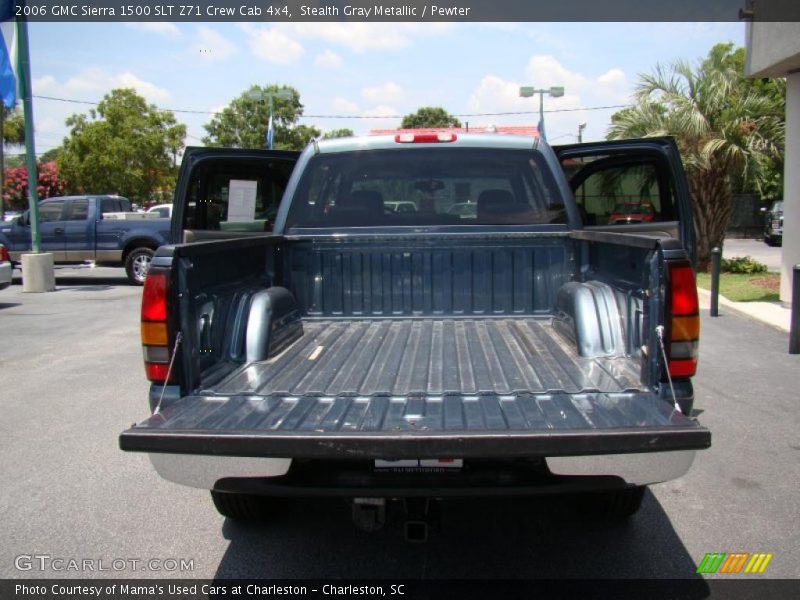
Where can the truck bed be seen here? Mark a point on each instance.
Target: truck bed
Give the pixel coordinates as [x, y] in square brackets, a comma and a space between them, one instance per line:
[430, 357]
[427, 387]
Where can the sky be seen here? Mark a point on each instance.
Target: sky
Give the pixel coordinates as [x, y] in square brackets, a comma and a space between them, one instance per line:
[360, 69]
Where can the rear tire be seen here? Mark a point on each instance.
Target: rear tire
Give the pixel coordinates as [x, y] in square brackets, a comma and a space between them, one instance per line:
[243, 507]
[620, 504]
[137, 264]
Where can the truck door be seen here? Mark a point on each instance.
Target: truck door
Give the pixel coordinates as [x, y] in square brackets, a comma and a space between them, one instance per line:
[78, 231]
[225, 192]
[51, 230]
[631, 186]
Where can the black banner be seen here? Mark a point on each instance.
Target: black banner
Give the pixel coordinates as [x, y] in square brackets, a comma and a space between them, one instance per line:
[406, 10]
[228, 589]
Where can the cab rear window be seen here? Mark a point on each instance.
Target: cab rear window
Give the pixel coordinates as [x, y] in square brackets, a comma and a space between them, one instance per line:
[426, 186]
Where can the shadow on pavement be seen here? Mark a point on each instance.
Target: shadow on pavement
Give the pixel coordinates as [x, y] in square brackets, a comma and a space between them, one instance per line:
[80, 283]
[8, 305]
[486, 539]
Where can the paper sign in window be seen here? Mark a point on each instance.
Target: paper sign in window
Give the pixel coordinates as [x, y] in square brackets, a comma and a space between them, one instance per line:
[242, 200]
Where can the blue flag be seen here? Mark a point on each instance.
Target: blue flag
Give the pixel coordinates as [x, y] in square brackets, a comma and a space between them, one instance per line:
[270, 133]
[8, 55]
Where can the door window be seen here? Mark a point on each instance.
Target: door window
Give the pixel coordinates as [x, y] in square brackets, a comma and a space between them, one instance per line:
[78, 210]
[51, 211]
[621, 190]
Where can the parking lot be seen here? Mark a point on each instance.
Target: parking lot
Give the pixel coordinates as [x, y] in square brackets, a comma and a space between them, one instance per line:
[71, 378]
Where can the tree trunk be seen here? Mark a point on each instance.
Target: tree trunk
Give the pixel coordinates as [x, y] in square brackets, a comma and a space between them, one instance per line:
[712, 204]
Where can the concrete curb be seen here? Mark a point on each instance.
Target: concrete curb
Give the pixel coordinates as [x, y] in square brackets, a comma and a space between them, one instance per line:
[769, 313]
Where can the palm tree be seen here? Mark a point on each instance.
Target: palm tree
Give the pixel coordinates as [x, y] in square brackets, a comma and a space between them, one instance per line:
[727, 130]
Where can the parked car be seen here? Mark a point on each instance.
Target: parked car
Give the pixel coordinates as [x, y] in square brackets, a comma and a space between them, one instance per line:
[401, 206]
[163, 210]
[773, 224]
[464, 210]
[90, 228]
[5, 268]
[370, 355]
[632, 212]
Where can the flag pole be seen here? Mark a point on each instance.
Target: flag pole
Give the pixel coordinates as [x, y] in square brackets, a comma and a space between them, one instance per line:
[24, 70]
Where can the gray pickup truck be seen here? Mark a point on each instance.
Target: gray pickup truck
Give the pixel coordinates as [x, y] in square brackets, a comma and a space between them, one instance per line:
[80, 228]
[523, 346]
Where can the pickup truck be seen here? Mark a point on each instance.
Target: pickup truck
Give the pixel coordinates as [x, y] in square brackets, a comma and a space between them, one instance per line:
[78, 228]
[363, 352]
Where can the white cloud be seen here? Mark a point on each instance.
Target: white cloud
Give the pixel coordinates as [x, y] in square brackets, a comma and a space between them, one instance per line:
[91, 84]
[210, 45]
[342, 105]
[495, 94]
[388, 120]
[272, 44]
[368, 36]
[328, 60]
[384, 93]
[161, 28]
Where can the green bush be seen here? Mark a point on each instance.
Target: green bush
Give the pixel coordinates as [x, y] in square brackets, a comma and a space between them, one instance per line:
[742, 264]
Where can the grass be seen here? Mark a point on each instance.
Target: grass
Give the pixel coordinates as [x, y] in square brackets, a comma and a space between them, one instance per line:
[756, 287]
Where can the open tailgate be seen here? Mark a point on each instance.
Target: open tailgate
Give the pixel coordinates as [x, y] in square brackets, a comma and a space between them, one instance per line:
[411, 427]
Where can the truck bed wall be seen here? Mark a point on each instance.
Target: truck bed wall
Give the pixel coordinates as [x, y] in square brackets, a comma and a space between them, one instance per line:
[492, 276]
[484, 276]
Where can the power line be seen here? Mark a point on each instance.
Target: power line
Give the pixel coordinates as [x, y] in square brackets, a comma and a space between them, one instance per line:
[487, 114]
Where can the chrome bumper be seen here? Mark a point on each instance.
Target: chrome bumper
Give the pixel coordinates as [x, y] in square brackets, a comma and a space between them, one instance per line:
[637, 469]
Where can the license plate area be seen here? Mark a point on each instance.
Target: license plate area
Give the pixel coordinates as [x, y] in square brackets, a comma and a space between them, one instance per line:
[421, 465]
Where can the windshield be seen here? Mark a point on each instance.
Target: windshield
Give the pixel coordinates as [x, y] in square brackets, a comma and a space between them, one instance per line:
[426, 186]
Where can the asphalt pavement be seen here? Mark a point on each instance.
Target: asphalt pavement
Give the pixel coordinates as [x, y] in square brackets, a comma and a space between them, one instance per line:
[757, 249]
[71, 378]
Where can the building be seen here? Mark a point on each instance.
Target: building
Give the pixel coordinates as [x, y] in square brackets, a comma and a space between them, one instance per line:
[501, 129]
[773, 50]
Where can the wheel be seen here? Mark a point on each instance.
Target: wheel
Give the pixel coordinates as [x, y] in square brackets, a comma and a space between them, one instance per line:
[620, 504]
[242, 507]
[137, 263]
[610, 505]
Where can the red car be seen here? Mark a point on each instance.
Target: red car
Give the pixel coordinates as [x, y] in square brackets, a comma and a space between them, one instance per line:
[631, 212]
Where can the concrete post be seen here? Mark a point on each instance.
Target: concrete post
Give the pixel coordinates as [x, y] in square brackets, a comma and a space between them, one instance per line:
[791, 187]
[37, 273]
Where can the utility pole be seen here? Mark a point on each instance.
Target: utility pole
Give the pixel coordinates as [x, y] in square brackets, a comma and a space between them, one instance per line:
[24, 71]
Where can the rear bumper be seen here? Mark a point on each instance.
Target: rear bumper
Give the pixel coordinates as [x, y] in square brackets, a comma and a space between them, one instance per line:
[5, 274]
[269, 476]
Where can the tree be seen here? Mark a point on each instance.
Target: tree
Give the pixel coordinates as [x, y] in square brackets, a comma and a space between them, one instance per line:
[124, 146]
[15, 184]
[243, 123]
[727, 130]
[13, 126]
[337, 133]
[429, 116]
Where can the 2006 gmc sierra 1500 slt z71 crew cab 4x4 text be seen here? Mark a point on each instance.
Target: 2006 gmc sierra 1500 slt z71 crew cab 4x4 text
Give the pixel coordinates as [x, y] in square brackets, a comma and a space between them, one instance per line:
[526, 346]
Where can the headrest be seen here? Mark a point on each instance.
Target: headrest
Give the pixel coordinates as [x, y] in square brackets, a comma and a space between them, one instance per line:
[497, 202]
[367, 200]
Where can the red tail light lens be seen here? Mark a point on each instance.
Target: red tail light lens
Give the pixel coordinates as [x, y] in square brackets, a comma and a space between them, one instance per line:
[4, 257]
[683, 320]
[155, 336]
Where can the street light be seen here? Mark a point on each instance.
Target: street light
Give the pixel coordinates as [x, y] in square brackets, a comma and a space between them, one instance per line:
[554, 92]
[581, 127]
[259, 95]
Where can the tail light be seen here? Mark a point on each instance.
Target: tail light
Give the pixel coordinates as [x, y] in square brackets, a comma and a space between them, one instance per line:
[683, 320]
[4, 257]
[155, 336]
[425, 138]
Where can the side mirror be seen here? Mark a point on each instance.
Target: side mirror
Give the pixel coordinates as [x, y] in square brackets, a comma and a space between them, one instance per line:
[22, 220]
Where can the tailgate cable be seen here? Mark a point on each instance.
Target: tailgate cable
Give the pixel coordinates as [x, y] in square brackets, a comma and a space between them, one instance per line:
[169, 371]
[660, 333]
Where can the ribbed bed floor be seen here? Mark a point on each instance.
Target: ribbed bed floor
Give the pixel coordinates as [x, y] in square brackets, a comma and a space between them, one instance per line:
[430, 357]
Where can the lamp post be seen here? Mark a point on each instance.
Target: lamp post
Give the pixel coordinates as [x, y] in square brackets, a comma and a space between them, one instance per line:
[259, 95]
[581, 127]
[554, 92]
